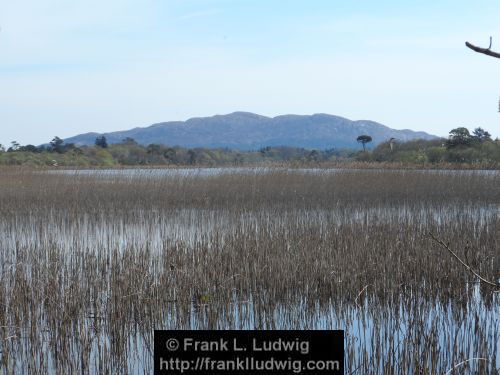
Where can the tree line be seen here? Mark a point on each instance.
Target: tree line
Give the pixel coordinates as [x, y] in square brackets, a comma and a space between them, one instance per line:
[462, 146]
[128, 152]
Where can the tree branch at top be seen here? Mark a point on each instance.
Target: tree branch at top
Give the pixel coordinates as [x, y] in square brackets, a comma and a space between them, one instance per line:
[486, 51]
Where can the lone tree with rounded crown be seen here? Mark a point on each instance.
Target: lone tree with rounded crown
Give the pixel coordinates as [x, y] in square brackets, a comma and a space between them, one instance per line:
[364, 139]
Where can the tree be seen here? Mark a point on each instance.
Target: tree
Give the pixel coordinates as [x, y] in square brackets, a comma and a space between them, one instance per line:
[29, 148]
[129, 141]
[364, 139]
[14, 146]
[392, 141]
[154, 149]
[101, 142]
[192, 156]
[170, 155]
[57, 145]
[313, 156]
[481, 135]
[459, 137]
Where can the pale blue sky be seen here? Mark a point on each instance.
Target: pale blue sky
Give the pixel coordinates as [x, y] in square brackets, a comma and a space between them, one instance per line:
[68, 67]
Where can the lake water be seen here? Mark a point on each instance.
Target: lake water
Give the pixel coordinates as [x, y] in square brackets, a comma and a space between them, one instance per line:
[361, 267]
[207, 172]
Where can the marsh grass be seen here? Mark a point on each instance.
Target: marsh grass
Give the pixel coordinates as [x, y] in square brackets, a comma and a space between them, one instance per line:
[91, 264]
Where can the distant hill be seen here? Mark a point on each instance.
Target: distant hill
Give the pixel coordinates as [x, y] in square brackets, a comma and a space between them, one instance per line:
[249, 131]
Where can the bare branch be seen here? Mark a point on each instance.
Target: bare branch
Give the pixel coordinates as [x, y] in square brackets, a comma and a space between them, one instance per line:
[486, 51]
[469, 268]
[464, 362]
[359, 294]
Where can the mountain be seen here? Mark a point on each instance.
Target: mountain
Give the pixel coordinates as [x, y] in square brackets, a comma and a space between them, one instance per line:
[249, 131]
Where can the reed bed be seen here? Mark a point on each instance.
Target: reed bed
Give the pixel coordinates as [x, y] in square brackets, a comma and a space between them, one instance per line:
[92, 263]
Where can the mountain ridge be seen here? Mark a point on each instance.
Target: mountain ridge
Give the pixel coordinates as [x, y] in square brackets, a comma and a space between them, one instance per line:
[249, 131]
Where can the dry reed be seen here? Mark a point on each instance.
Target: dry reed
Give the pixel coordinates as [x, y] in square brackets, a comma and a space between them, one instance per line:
[91, 264]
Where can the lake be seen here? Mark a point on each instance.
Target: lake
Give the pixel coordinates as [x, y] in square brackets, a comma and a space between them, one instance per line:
[92, 262]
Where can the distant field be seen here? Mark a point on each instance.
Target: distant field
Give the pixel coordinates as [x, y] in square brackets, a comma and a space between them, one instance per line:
[91, 263]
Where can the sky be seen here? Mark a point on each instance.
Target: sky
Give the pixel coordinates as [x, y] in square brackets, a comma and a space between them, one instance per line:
[71, 67]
